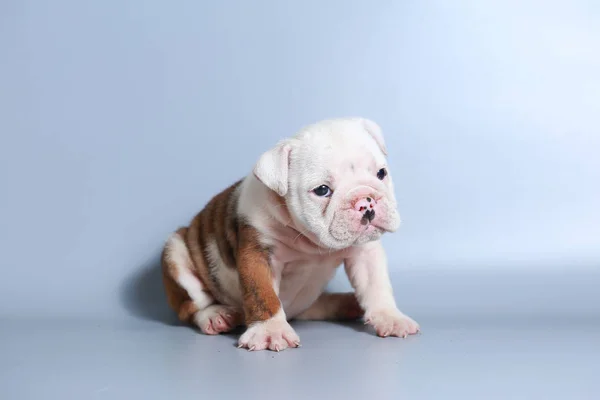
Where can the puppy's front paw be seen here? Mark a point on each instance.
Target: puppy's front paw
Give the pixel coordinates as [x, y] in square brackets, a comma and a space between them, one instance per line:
[392, 323]
[273, 334]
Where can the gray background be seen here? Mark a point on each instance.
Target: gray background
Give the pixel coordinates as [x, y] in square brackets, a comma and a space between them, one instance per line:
[120, 119]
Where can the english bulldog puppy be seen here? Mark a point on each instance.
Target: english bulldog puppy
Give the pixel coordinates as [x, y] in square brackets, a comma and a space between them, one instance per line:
[262, 251]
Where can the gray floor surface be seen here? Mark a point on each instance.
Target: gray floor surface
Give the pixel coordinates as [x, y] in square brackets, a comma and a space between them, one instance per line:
[486, 337]
[510, 359]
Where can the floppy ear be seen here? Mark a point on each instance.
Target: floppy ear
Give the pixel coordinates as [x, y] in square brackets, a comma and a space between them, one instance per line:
[375, 131]
[272, 168]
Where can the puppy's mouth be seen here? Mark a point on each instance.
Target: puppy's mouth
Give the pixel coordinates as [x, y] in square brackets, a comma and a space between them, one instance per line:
[366, 232]
[370, 229]
[368, 217]
[368, 221]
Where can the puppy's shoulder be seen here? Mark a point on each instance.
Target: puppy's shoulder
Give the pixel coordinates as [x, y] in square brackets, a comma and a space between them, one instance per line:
[254, 200]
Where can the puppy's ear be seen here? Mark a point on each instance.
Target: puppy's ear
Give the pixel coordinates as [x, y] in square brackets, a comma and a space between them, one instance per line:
[375, 131]
[272, 168]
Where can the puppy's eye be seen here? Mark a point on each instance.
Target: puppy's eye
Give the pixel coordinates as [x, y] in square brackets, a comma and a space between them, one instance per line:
[322, 191]
[382, 173]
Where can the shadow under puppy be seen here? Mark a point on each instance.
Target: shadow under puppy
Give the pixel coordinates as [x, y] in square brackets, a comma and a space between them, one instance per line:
[262, 252]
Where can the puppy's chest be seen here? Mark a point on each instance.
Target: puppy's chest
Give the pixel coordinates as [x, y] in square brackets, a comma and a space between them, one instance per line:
[301, 282]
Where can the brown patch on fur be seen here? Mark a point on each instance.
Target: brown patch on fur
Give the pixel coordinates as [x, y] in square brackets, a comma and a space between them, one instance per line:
[333, 306]
[259, 297]
[224, 224]
[217, 221]
[239, 247]
[187, 311]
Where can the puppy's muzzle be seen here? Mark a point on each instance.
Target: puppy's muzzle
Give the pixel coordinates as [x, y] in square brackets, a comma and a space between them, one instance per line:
[367, 207]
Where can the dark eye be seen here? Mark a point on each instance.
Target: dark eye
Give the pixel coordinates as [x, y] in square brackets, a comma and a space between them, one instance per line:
[322, 191]
[382, 173]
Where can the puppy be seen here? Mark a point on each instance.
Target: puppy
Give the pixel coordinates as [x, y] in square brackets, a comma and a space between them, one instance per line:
[262, 251]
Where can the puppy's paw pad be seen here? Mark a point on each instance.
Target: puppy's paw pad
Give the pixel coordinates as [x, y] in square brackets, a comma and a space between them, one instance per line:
[392, 323]
[208, 329]
[275, 335]
[217, 319]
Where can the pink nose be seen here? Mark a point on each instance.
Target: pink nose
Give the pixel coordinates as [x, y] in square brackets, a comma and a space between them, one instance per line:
[364, 204]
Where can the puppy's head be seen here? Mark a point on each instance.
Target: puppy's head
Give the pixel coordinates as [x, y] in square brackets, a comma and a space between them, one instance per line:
[335, 182]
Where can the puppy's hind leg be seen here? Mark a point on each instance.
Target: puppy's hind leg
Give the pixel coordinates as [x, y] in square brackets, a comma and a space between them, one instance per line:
[186, 293]
[218, 318]
[333, 306]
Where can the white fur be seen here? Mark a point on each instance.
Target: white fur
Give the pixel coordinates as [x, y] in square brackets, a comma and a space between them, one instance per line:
[179, 256]
[302, 282]
[272, 170]
[368, 274]
[318, 234]
[375, 131]
[273, 334]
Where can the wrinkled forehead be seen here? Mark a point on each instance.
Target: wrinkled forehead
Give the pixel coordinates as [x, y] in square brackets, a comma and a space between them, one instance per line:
[338, 152]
